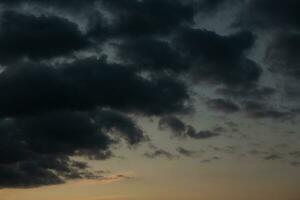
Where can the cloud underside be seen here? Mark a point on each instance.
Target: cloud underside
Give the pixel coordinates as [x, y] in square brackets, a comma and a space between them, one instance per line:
[63, 96]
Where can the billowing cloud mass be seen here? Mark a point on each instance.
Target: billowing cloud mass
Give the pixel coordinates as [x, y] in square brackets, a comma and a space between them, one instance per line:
[35, 148]
[24, 35]
[86, 84]
[205, 55]
[283, 54]
[281, 18]
[217, 58]
[270, 14]
[135, 18]
[73, 87]
[58, 4]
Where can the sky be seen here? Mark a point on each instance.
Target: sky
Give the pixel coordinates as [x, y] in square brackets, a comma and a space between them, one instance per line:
[149, 100]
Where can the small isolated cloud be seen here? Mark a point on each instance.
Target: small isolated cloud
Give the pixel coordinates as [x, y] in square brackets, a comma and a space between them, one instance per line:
[295, 163]
[251, 92]
[173, 123]
[192, 133]
[259, 110]
[222, 105]
[180, 130]
[186, 152]
[272, 157]
[160, 153]
[295, 154]
[101, 180]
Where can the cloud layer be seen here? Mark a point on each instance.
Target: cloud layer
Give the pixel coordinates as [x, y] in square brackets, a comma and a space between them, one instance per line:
[70, 87]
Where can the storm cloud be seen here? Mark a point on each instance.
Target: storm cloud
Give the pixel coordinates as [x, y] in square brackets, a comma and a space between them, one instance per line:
[270, 14]
[280, 20]
[86, 84]
[36, 38]
[35, 149]
[219, 59]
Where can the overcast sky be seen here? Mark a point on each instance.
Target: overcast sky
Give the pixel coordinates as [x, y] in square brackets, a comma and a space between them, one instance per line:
[149, 99]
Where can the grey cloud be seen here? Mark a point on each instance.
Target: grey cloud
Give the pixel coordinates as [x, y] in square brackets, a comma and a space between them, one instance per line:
[259, 110]
[160, 153]
[181, 130]
[176, 125]
[223, 105]
[186, 152]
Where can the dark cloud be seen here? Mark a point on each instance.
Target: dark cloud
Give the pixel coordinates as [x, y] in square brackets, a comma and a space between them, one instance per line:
[132, 18]
[56, 103]
[51, 113]
[86, 84]
[35, 149]
[27, 36]
[43, 171]
[70, 5]
[283, 54]
[146, 8]
[291, 90]
[211, 6]
[61, 132]
[280, 20]
[204, 55]
[98, 27]
[223, 105]
[251, 93]
[219, 59]
[152, 54]
[270, 14]
[149, 95]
